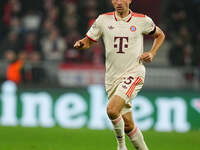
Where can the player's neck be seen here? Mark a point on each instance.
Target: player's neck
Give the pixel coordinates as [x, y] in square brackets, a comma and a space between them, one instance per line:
[123, 14]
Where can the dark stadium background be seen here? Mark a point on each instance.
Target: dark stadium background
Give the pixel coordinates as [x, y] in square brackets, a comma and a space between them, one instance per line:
[52, 96]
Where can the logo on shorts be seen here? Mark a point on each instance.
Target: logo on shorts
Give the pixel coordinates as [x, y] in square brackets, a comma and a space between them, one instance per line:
[110, 27]
[133, 28]
[125, 87]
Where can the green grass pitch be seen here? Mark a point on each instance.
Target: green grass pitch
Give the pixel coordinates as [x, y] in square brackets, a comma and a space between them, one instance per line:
[18, 138]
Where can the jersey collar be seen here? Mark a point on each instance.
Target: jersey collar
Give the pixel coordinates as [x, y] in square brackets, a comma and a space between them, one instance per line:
[126, 19]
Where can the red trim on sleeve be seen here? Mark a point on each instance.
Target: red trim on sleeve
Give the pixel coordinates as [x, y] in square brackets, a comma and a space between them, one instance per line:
[91, 38]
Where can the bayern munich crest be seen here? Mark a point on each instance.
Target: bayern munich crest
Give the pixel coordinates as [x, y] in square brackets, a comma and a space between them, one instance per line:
[133, 28]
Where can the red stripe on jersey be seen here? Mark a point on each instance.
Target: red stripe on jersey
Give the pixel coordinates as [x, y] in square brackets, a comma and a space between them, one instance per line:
[138, 15]
[129, 18]
[132, 88]
[126, 21]
[109, 13]
[91, 38]
[115, 17]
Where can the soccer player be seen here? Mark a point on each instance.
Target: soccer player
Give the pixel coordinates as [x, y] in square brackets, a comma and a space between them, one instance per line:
[122, 32]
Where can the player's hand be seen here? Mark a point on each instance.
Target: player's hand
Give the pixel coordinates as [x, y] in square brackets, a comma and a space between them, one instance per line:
[79, 44]
[146, 57]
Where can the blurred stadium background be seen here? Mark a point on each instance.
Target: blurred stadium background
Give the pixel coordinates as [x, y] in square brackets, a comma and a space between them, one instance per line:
[52, 95]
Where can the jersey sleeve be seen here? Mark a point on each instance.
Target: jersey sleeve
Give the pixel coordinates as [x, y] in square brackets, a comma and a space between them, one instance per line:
[148, 25]
[95, 30]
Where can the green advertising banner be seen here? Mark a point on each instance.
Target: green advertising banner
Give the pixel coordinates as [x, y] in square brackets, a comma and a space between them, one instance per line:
[86, 107]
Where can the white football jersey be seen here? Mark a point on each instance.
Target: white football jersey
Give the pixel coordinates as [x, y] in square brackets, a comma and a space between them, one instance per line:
[123, 40]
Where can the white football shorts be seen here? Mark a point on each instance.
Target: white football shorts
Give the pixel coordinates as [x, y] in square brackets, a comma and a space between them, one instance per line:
[127, 88]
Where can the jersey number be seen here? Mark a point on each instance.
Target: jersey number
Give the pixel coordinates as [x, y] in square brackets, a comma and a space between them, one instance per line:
[129, 80]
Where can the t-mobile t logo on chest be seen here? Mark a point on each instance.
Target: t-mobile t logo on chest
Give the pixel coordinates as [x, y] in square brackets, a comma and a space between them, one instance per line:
[121, 43]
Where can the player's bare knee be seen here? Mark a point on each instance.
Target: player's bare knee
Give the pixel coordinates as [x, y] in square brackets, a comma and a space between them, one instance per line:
[112, 113]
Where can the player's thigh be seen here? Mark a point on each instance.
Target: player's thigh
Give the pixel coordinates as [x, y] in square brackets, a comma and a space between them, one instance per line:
[115, 105]
[116, 102]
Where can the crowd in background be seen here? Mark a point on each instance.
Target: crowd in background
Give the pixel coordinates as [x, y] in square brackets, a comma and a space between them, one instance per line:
[183, 32]
[47, 30]
[33, 31]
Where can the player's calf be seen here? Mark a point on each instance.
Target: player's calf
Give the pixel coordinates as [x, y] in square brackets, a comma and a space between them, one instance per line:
[133, 132]
[137, 139]
[128, 127]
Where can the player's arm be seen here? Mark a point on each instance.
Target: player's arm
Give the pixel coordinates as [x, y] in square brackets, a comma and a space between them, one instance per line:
[92, 35]
[84, 43]
[159, 38]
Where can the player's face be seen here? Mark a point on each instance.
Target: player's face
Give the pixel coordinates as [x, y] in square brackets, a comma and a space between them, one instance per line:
[121, 5]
